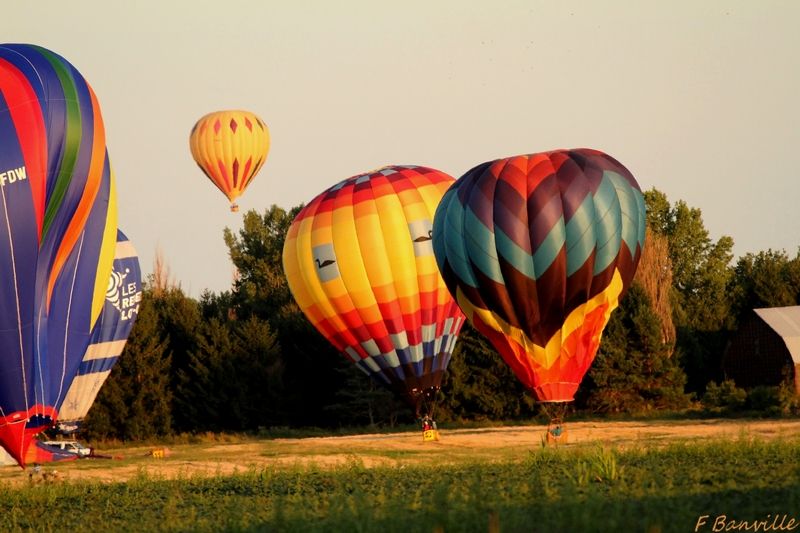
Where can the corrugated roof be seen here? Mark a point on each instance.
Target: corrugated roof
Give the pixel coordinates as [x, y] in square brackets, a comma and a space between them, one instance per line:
[786, 323]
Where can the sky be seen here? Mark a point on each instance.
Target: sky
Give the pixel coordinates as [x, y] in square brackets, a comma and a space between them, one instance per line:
[697, 99]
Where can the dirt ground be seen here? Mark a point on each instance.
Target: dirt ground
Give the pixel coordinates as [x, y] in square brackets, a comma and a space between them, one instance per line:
[396, 449]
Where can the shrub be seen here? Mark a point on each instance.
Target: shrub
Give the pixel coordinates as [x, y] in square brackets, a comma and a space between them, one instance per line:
[725, 395]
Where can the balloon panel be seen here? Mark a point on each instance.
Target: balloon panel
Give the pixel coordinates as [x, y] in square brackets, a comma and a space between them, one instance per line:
[122, 297]
[230, 147]
[538, 249]
[360, 264]
[57, 229]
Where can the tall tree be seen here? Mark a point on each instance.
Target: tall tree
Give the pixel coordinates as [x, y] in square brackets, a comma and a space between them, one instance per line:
[310, 378]
[701, 299]
[633, 371]
[765, 279]
[178, 320]
[234, 378]
[654, 275]
[257, 252]
[480, 385]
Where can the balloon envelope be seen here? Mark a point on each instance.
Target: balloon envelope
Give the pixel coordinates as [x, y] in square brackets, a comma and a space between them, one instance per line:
[230, 147]
[538, 249]
[123, 294]
[360, 264]
[57, 232]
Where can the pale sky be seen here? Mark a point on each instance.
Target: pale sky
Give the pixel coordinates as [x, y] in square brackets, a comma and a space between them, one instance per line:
[697, 98]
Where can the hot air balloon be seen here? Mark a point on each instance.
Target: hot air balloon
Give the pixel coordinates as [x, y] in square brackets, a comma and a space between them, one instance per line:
[123, 294]
[359, 262]
[537, 250]
[57, 235]
[230, 147]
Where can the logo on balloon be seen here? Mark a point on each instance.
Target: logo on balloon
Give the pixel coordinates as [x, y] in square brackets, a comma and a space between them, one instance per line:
[125, 297]
[13, 175]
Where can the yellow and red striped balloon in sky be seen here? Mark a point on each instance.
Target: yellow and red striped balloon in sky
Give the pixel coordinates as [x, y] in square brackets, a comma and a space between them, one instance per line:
[230, 147]
[359, 261]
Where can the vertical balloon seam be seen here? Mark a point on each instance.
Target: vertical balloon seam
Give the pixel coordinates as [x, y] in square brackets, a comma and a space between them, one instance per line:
[37, 165]
[69, 318]
[439, 313]
[376, 329]
[205, 148]
[346, 298]
[302, 245]
[575, 321]
[71, 141]
[590, 328]
[527, 350]
[578, 313]
[414, 317]
[227, 138]
[384, 222]
[505, 263]
[105, 260]
[17, 299]
[236, 145]
[428, 283]
[246, 145]
[443, 300]
[261, 138]
[208, 145]
[501, 291]
[83, 389]
[87, 199]
[328, 307]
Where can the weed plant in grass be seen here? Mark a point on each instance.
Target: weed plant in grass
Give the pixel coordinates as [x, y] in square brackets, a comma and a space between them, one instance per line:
[566, 489]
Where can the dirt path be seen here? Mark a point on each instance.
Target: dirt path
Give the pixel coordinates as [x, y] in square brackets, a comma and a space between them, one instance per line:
[394, 449]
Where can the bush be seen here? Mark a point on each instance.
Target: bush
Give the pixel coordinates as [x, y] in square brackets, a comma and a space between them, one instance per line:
[726, 396]
[765, 399]
[788, 399]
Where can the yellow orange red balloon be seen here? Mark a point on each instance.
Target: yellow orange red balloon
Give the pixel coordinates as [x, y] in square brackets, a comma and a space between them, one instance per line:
[230, 147]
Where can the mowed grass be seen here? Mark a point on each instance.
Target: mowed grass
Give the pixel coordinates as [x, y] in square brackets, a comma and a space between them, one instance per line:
[648, 488]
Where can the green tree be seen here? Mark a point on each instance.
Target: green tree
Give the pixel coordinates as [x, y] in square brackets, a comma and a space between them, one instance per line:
[233, 380]
[701, 295]
[135, 402]
[257, 254]
[633, 371]
[700, 267]
[479, 385]
[361, 400]
[178, 322]
[765, 279]
[310, 378]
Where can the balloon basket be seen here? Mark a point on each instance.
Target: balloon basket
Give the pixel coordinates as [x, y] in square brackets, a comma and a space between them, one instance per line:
[556, 433]
[234, 208]
[556, 429]
[430, 435]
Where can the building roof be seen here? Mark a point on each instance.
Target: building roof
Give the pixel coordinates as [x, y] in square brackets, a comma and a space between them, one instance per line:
[785, 321]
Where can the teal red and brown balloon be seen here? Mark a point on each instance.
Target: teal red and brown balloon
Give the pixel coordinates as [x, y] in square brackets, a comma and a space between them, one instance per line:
[537, 250]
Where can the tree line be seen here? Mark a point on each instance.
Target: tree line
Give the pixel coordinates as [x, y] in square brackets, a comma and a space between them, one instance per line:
[247, 359]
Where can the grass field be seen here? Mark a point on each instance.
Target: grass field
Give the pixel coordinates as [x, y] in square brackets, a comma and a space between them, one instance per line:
[644, 485]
